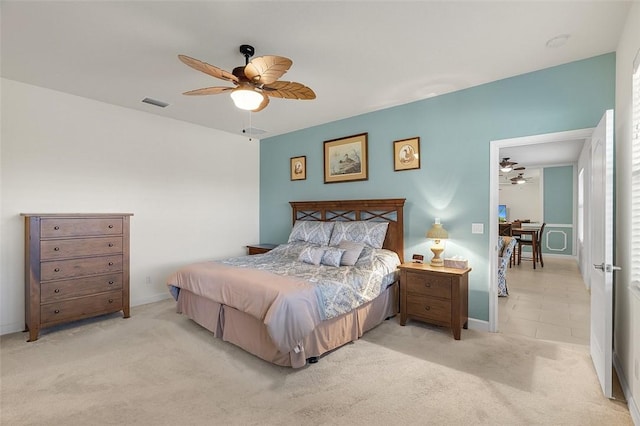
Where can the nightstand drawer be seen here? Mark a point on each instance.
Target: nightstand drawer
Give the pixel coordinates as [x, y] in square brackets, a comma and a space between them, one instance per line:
[430, 309]
[428, 284]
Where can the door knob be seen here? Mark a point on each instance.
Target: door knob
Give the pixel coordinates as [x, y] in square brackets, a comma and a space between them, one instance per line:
[607, 267]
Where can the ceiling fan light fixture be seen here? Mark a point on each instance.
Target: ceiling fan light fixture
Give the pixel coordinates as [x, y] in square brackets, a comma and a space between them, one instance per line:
[246, 98]
[506, 169]
[521, 180]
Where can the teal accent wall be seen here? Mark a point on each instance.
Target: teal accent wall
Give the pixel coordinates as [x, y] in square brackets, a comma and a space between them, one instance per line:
[455, 132]
[558, 210]
[558, 194]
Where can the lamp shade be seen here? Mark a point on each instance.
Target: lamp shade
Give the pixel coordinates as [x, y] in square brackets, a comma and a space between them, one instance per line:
[246, 98]
[437, 232]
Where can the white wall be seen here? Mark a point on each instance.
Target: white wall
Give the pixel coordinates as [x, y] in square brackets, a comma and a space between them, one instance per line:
[626, 333]
[194, 191]
[523, 201]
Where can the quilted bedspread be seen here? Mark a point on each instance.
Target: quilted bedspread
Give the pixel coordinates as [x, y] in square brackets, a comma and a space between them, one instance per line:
[291, 297]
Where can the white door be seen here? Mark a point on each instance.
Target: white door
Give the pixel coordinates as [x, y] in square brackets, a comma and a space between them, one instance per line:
[601, 243]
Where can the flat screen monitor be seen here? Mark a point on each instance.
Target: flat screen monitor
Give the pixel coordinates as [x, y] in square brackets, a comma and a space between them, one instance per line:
[502, 213]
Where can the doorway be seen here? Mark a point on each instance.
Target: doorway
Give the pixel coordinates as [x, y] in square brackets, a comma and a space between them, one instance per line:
[540, 143]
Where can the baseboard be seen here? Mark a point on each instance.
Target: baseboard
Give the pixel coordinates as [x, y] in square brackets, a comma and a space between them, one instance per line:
[631, 403]
[478, 325]
[152, 299]
[11, 328]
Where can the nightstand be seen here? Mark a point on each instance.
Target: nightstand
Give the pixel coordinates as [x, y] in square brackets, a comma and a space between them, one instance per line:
[435, 295]
[260, 248]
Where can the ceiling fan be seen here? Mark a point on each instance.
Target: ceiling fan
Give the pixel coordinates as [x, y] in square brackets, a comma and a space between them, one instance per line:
[254, 82]
[519, 180]
[506, 166]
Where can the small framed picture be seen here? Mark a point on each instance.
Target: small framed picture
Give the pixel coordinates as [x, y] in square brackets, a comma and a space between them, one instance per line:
[406, 154]
[418, 258]
[299, 168]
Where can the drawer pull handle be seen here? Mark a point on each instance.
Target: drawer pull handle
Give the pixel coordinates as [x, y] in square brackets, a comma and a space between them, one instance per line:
[56, 270]
[56, 249]
[56, 227]
[57, 290]
[110, 226]
[110, 244]
[427, 308]
[110, 263]
[57, 311]
[428, 285]
[110, 282]
[110, 300]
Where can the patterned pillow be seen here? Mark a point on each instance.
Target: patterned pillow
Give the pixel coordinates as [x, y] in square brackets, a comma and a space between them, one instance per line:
[311, 231]
[312, 255]
[367, 232]
[352, 252]
[332, 256]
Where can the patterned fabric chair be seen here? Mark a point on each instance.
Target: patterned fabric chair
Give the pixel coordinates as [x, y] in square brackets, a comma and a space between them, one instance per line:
[505, 250]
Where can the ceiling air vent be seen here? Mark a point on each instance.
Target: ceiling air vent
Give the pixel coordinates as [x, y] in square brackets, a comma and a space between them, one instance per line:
[253, 131]
[155, 102]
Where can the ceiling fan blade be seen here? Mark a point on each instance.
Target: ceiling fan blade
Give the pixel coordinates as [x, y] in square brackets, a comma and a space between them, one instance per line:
[289, 90]
[519, 168]
[208, 91]
[267, 69]
[263, 105]
[208, 69]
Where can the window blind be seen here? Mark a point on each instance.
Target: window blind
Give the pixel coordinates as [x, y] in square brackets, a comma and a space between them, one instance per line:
[635, 176]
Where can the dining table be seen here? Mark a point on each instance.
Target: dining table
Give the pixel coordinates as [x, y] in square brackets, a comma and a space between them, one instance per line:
[533, 232]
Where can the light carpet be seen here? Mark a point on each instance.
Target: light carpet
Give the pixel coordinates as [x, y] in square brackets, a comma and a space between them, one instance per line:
[159, 368]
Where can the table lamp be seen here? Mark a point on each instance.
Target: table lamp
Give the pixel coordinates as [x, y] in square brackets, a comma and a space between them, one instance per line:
[437, 233]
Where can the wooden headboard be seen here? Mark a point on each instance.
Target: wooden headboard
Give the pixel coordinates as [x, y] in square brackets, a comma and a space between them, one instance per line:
[383, 210]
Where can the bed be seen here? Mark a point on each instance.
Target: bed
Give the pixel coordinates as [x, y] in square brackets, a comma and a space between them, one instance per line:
[299, 301]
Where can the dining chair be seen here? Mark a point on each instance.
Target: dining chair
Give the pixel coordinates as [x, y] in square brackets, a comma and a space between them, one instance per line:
[537, 256]
[516, 224]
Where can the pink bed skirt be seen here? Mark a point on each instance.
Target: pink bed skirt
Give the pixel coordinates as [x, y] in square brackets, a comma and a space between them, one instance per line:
[251, 334]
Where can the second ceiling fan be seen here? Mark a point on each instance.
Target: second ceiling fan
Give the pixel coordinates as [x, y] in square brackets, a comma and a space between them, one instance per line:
[254, 82]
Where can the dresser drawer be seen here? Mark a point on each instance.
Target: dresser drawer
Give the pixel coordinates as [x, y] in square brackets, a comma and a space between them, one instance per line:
[80, 308]
[57, 249]
[75, 227]
[430, 309]
[428, 284]
[60, 269]
[61, 290]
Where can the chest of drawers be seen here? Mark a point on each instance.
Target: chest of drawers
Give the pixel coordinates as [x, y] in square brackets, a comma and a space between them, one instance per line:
[76, 266]
[436, 295]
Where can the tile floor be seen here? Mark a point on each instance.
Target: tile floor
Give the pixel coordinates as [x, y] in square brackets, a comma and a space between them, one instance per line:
[549, 303]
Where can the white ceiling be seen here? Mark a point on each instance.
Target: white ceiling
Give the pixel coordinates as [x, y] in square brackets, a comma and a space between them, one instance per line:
[537, 156]
[357, 56]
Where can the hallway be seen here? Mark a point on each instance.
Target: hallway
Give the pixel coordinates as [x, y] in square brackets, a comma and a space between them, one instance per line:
[549, 303]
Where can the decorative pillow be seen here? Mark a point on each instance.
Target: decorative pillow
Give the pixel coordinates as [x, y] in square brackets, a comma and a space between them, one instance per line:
[352, 252]
[367, 232]
[311, 231]
[367, 256]
[312, 255]
[332, 256]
